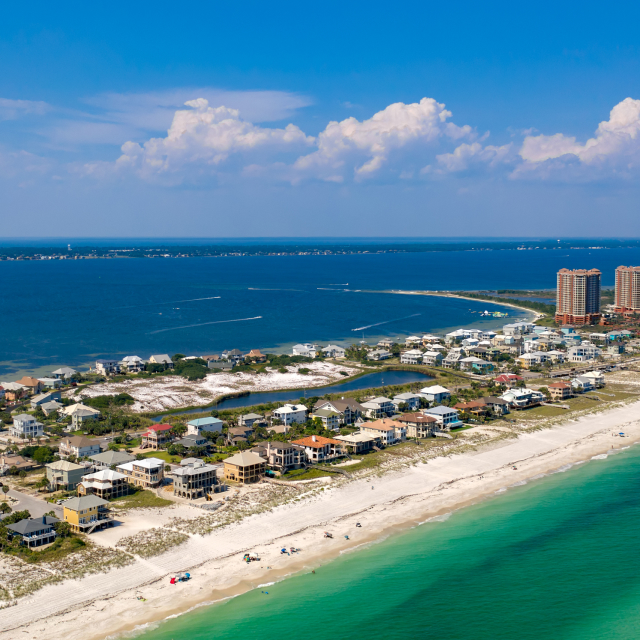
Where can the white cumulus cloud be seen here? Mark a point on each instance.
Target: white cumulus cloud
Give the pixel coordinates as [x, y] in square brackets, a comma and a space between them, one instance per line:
[207, 136]
[363, 148]
[467, 155]
[615, 147]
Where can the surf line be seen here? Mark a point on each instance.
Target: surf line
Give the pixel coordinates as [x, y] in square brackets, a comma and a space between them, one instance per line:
[377, 324]
[202, 324]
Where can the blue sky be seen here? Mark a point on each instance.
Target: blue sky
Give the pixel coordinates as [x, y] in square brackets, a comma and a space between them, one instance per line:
[340, 119]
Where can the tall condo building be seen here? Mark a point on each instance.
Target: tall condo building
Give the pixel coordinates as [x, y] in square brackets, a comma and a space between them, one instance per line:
[578, 296]
[627, 289]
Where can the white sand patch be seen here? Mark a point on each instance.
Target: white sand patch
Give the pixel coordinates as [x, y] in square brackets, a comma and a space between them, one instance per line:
[173, 392]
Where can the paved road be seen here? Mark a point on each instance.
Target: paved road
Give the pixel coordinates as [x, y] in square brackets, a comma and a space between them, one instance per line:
[36, 506]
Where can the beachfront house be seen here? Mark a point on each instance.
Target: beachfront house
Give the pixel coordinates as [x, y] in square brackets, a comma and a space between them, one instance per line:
[199, 425]
[446, 417]
[320, 449]
[26, 427]
[106, 484]
[51, 383]
[414, 356]
[523, 398]
[13, 391]
[147, 473]
[435, 394]
[330, 419]
[290, 413]
[110, 459]
[356, 443]
[418, 425]
[281, 456]
[473, 407]
[347, 409]
[64, 373]
[378, 408]
[597, 377]
[408, 401]
[582, 384]
[86, 514]
[194, 479]
[333, 351]
[163, 359]
[560, 390]
[388, 431]
[307, 350]
[245, 467]
[157, 436]
[34, 532]
[498, 406]
[132, 364]
[64, 475]
[235, 356]
[107, 367]
[32, 385]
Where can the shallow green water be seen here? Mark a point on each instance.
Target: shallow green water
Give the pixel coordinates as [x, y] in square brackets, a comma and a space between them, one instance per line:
[557, 558]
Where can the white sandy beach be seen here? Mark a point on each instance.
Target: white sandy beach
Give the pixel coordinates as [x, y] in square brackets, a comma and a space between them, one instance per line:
[172, 392]
[101, 605]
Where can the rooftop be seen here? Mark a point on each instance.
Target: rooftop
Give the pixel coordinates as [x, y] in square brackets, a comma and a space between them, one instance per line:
[84, 502]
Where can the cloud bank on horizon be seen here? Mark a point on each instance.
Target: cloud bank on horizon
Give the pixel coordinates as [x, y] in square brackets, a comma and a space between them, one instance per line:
[401, 142]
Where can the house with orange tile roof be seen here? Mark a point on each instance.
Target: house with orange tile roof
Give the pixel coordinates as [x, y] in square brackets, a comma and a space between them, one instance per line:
[32, 384]
[560, 390]
[389, 431]
[321, 449]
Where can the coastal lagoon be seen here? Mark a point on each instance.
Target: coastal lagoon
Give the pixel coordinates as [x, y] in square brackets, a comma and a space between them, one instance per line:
[557, 558]
[72, 312]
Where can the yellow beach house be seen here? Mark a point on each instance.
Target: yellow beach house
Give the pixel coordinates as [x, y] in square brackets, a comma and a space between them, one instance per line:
[85, 514]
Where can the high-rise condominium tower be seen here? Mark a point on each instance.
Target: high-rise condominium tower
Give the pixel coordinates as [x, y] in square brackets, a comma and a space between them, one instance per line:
[578, 296]
[627, 289]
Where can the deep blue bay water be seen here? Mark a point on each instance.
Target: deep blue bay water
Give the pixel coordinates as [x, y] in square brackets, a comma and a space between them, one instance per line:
[56, 313]
[558, 558]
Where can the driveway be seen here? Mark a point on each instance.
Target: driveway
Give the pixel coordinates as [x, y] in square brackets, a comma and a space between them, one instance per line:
[36, 506]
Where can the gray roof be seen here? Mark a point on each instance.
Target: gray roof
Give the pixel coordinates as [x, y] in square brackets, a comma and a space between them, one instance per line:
[440, 411]
[29, 525]
[251, 416]
[112, 457]
[64, 371]
[192, 441]
[84, 502]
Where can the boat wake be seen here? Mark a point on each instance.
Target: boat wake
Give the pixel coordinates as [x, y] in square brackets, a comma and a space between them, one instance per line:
[202, 324]
[377, 324]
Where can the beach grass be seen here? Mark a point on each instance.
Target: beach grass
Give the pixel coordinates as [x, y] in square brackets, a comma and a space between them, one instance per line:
[140, 500]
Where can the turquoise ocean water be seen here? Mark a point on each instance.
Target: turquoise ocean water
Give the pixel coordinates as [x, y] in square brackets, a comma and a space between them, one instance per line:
[557, 558]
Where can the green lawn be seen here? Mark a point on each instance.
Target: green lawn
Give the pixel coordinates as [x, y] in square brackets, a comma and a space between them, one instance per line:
[140, 500]
[162, 455]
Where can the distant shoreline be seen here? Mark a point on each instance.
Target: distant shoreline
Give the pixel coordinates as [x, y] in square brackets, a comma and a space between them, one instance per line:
[445, 294]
